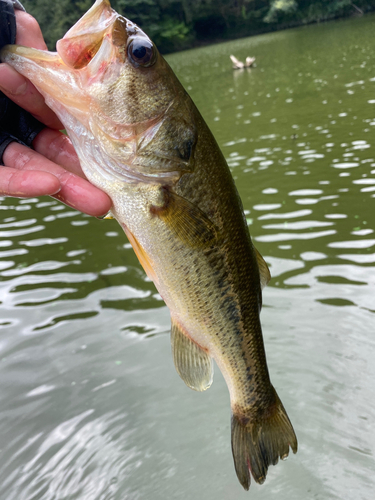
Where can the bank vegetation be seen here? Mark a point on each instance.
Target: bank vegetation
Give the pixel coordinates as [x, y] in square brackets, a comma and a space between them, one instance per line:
[182, 24]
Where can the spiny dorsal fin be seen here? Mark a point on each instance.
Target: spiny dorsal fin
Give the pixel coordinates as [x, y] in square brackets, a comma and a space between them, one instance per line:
[187, 221]
[192, 363]
[264, 272]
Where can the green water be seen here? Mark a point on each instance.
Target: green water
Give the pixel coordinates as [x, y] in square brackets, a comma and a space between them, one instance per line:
[90, 405]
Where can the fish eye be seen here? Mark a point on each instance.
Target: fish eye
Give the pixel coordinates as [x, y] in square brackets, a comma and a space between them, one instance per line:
[142, 52]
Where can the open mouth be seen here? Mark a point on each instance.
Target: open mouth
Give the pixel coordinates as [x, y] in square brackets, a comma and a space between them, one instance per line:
[83, 56]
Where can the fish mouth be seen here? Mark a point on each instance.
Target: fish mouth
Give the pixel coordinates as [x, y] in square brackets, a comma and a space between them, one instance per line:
[89, 83]
[85, 55]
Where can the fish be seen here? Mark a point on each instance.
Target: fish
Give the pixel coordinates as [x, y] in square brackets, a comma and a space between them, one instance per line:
[141, 139]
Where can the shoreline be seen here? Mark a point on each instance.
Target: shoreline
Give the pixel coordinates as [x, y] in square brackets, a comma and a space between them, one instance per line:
[286, 26]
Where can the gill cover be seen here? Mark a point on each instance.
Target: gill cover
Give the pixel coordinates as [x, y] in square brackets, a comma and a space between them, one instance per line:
[108, 82]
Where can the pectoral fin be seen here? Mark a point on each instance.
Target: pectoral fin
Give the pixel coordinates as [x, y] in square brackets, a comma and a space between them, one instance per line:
[187, 221]
[192, 363]
[264, 272]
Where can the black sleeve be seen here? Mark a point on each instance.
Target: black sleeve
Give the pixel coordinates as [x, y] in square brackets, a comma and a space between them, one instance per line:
[16, 124]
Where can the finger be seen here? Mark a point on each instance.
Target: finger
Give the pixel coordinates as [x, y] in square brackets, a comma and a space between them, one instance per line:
[74, 191]
[25, 184]
[28, 31]
[16, 86]
[83, 196]
[22, 92]
[58, 148]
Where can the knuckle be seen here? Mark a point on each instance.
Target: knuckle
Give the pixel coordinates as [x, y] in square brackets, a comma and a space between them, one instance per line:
[57, 147]
[18, 157]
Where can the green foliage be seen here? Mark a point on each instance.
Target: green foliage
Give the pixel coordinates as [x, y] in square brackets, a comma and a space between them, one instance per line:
[180, 24]
[55, 21]
[278, 6]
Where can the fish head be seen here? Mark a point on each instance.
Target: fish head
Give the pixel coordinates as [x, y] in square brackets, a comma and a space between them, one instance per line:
[117, 97]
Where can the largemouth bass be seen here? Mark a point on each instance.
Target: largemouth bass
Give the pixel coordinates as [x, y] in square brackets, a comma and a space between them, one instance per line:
[141, 139]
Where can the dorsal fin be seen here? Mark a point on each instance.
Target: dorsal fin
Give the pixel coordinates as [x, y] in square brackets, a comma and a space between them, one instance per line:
[264, 272]
[192, 363]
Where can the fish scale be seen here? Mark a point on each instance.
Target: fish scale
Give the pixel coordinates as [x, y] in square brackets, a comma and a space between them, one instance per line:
[141, 139]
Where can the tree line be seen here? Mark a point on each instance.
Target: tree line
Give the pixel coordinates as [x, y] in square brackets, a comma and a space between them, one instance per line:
[181, 24]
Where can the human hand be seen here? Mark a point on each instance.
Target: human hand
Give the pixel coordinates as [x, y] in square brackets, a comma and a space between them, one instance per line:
[52, 168]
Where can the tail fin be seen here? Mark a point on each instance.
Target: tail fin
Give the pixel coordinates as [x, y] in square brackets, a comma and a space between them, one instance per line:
[258, 443]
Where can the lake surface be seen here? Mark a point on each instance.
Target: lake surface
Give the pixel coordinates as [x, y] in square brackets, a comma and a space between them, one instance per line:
[91, 407]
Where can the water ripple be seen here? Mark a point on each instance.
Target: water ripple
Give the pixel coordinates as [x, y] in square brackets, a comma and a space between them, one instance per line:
[293, 236]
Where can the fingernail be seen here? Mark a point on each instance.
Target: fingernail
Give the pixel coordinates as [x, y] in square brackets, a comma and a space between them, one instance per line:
[21, 89]
[14, 91]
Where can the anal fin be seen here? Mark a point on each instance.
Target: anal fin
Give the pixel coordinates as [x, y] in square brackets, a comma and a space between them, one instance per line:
[192, 363]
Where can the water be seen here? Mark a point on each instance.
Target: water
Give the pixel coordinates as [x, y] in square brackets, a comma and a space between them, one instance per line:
[91, 407]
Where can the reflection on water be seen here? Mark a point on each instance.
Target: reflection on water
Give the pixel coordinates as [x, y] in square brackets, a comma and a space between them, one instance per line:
[91, 407]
